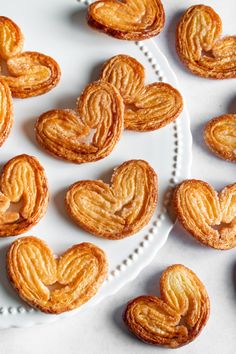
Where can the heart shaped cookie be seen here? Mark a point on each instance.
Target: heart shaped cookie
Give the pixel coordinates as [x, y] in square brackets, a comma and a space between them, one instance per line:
[128, 19]
[118, 210]
[11, 38]
[30, 73]
[23, 186]
[220, 136]
[200, 46]
[88, 134]
[6, 111]
[208, 216]
[55, 285]
[177, 316]
[148, 107]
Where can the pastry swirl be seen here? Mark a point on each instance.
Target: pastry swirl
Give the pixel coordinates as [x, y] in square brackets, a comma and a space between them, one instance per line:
[88, 134]
[11, 38]
[22, 180]
[30, 73]
[220, 136]
[128, 19]
[118, 210]
[177, 317]
[200, 46]
[207, 215]
[74, 277]
[6, 111]
[147, 107]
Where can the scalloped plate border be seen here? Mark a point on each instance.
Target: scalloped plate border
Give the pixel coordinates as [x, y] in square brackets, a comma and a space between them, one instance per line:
[178, 171]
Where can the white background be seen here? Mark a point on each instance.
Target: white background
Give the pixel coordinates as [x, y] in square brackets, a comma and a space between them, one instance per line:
[100, 330]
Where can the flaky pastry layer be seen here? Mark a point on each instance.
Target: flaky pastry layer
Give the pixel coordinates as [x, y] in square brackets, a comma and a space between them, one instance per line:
[118, 210]
[23, 183]
[55, 285]
[147, 107]
[11, 38]
[200, 46]
[177, 316]
[88, 134]
[128, 19]
[6, 111]
[30, 73]
[208, 216]
[220, 136]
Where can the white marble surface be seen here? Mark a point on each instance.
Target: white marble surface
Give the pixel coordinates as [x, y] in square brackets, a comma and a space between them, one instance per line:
[100, 330]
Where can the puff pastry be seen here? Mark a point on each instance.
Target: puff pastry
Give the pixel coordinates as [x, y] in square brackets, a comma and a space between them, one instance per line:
[11, 38]
[6, 111]
[118, 210]
[200, 46]
[127, 19]
[88, 134]
[146, 107]
[220, 136]
[208, 216]
[30, 73]
[55, 285]
[23, 181]
[177, 317]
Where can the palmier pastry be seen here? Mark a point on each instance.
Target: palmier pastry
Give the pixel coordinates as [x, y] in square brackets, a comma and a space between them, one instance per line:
[118, 210]
[177, 317]
[200, 46]
[23, 180]
[128, 19]
[220, 136]
[88, 134]
[74, 278]
[147, 107]
[30, 73]
[6, 111]
[208, 216]
[11, 38]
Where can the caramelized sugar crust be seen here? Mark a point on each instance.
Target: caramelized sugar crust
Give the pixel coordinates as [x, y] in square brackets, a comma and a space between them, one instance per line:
[55, 285]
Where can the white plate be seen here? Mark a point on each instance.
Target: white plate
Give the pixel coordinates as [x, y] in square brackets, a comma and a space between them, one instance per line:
[58, 28]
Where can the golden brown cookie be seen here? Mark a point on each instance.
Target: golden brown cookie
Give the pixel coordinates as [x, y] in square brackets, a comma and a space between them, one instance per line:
[147, 107]
[208, 216]
[200, 46]
[88, 134]
[11, 38]
[22, 181]
[128, 19]
[55, 285]
[6, 111]
[118, 210]
[30, 73]
[220, 136]
[176, 317]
